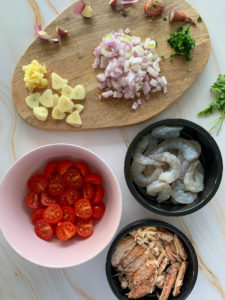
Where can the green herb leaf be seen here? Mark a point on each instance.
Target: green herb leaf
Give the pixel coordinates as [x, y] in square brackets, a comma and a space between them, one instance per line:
[218, 90]
[199, 20]
[163, 57]
[165, 19]
[182, 42]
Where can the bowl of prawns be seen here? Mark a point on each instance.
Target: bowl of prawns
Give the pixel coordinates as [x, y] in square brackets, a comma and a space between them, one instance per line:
[150, 259]
[173, 167]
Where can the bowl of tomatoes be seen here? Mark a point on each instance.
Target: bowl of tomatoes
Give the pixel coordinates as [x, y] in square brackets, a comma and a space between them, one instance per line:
[60, 205]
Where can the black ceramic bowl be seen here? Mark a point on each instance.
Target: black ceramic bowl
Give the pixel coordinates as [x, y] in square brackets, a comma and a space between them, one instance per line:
[211, 160]
[191, 273]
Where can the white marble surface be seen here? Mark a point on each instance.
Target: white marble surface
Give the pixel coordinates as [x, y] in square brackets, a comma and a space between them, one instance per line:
[22, 280]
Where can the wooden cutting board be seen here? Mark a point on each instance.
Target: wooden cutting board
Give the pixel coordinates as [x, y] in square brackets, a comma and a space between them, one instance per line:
[74, 58]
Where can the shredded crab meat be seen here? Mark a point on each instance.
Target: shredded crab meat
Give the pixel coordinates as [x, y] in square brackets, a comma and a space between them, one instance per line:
[151, 262]
[131, 67]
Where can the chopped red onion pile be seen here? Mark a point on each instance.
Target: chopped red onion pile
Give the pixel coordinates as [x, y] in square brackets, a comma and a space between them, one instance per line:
[130, 67]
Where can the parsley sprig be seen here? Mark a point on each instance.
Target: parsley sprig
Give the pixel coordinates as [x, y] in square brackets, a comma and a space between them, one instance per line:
[182, 42]
[218, 90]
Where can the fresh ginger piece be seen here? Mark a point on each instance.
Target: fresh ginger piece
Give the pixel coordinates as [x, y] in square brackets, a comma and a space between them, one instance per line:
[78, 93]
[74, 119]
[33, 100]
[46, 98]
[41, 113]
[57, 81]
[55, 99]
[79, 107]
[57, 114]
[65, 104]
[87, 12]
[67, 91]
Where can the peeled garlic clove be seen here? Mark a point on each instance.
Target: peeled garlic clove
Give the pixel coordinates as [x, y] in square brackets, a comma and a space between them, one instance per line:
[57, 114]
[87, 12]
[78, 93]
[41, 113]
[79, 107]
[67, 91]
[57, 81]
[33, 100]
[46, 98]
[74, 119]
[55, 99]
[65, 104]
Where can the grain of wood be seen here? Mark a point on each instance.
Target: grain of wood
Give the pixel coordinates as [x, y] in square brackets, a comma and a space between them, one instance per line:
[74, 58]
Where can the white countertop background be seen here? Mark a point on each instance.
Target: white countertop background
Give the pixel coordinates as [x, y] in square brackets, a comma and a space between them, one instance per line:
[22, 280]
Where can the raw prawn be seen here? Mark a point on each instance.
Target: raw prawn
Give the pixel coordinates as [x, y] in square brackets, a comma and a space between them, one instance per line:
[193, 178]
[136, 172]
[162, 189]
[196, 145]
[166, 132]
[175, 166]
[184, 164]
[152, 144]
[178, 192]
[187, 149]
[138, 155]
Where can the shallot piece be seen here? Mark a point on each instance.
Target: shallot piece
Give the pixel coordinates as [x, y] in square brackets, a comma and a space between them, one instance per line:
[153, 8]
[178, 15]
[61, 33]
[42, 34]
[129, 66]
[113, 3]
[79, 7]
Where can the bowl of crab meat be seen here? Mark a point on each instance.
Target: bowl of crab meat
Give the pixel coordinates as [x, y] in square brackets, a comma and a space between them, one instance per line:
[61, 205]
[150, 259]
[173, 167]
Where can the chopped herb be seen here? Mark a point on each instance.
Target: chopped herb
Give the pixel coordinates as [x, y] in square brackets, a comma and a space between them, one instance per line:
[171, 57]
[218, 90]
[189, 70]
[182, 42]
[165, 19]
[156, 43]
[199, 20]
[163, 57]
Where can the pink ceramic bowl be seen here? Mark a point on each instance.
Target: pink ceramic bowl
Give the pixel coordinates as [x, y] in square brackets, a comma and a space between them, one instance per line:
[15, 222]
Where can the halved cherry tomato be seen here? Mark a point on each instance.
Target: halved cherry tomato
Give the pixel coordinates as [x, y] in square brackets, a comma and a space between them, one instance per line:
[53, 213]
[65, 230]
[82, 167]
[37, 183]
[68, 214]
[93, 179]
[83, 208]
[47, 200]
[69, 197]
[84, 227]
[87, 191]
[98, 211]
[37, 214]
[32, 200]
[73, 179]
[63, 166]
[99, 194]
[43, 230]
[55, 185]
[50, 168]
